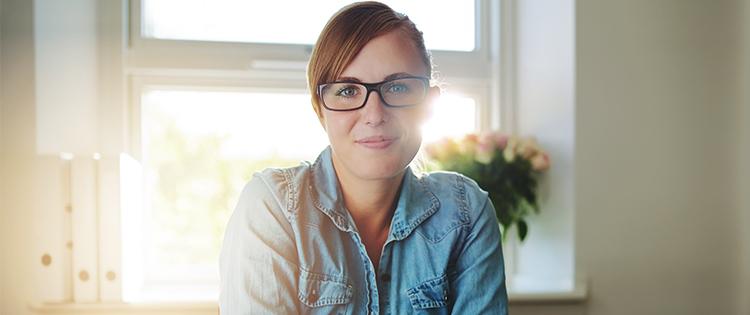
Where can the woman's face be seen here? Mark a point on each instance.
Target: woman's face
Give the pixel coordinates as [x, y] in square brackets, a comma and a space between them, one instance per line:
[377, 141]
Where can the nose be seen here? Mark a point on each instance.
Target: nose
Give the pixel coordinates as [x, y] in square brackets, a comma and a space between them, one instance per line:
[374, 112]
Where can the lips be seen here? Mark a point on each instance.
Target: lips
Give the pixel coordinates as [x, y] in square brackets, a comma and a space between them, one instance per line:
[376, 142]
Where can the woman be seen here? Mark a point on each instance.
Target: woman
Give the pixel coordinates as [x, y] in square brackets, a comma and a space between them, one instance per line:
[357, 231]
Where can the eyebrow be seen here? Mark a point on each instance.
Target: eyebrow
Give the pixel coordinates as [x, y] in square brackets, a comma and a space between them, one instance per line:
[388, 77]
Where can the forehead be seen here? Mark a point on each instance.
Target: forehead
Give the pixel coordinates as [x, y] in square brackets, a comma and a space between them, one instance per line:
[393, 52]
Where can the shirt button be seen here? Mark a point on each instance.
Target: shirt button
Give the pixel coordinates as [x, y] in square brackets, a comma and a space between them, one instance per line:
[385, 277]
[313, 296]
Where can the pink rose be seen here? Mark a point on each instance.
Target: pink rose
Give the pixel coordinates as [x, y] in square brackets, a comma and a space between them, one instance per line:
[501, 140]
[473, 138]
[484, 153]
[487, 140]
[528, 148]
[540, 162]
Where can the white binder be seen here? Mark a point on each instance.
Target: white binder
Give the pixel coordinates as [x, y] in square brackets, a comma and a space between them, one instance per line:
[110, 271]
[131, 218]
[51, 230]
[120, 190]
[84, 225]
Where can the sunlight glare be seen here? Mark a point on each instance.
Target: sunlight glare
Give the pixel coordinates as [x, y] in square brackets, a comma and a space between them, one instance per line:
[453, 116]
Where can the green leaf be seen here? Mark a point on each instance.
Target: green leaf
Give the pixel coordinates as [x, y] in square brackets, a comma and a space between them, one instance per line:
[523, 229]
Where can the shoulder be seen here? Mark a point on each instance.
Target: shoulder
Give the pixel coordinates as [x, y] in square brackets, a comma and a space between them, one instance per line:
[444, 184]
[451, 187]
[276, 186]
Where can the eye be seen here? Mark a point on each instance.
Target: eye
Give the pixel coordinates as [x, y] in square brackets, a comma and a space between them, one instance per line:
[397, 88]
[347, 91]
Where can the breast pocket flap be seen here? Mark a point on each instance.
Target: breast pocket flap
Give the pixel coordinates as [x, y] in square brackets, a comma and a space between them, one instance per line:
[432, 293]
[320, 290]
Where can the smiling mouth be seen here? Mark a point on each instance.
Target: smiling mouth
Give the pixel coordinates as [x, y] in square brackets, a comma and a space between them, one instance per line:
[377, 142]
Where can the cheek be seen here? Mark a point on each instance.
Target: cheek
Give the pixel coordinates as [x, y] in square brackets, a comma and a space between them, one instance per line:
[413, 123]
[337, 125]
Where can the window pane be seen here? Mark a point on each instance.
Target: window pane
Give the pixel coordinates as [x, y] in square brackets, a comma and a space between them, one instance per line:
[200, 148]
[296, 22]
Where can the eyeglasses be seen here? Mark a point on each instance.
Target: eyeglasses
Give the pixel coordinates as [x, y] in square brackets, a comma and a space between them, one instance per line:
[399, 92]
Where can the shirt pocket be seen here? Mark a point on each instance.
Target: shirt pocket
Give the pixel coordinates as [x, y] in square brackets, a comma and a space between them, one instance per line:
[430, 297]
[324, 294]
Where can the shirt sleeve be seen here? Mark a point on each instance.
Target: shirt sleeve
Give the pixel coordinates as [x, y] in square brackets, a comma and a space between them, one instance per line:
[258, 264]
[479, 286]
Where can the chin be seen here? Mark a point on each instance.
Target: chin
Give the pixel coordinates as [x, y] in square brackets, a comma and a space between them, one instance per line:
[378, 167]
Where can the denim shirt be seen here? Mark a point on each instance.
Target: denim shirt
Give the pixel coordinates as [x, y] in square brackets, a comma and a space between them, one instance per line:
[291, 247]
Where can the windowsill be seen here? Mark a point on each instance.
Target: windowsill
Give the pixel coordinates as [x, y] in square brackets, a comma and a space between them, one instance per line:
[579, 294]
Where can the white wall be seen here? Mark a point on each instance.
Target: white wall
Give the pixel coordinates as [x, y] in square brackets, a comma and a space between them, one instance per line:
[656, 164]
[65, 59]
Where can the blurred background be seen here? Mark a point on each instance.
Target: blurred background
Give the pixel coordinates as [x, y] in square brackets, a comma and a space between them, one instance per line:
[128, 128]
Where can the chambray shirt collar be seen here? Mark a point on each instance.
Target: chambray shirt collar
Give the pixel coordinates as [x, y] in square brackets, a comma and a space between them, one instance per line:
[415, 203]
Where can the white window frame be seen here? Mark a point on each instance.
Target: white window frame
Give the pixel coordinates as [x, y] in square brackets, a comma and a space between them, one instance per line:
[238, 56]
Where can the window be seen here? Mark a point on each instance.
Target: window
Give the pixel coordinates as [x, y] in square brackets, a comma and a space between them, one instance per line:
[203, 100]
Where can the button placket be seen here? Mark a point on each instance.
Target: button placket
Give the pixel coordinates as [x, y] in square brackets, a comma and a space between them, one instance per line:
[373, 301]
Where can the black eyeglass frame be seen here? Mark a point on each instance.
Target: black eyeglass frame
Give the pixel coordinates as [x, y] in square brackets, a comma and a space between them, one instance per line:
[370, 87]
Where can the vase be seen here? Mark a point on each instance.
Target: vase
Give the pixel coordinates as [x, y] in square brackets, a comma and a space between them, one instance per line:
[510, 253]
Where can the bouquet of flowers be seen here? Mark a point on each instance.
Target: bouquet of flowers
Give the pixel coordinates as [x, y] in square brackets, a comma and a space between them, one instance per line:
[505, 166]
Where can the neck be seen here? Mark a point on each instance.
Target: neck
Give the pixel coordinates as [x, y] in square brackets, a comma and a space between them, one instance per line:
[371, 202]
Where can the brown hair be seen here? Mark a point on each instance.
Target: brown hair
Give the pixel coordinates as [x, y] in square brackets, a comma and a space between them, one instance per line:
[344, 36]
